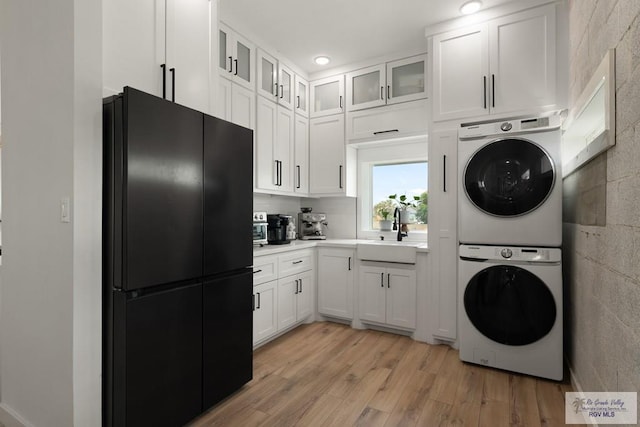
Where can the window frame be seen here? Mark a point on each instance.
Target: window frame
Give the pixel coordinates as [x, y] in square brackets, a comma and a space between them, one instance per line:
[411, 151]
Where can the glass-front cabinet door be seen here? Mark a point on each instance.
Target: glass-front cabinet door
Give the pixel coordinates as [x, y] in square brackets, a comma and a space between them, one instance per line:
[406, 79]
[267, 75]
[327, 96]
[285, 86]
[235, 57]
[366, 88]
[301, 100]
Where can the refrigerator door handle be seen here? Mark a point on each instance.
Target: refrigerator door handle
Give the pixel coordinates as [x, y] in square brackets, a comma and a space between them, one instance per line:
[173, 84]
[164, 80]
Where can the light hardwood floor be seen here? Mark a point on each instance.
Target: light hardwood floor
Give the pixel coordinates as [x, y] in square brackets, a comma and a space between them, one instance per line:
[327, 374]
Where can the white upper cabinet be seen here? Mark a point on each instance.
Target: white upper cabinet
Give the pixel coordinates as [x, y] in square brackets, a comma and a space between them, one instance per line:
[327, 96]
[523, 60]
[267, 75]
[143, 48]
[274, 147]
[332, 164]
[507, 65]
[188, 25]
[406, 79]
[285, 84]
[366, 88]
[460, 72]
[235, 57]
[301, 155]
[275, 80]
[390, 83]
[301, 99]
[236, 104]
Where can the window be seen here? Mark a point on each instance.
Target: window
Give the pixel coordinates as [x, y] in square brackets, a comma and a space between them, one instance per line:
[400, 169]
[409, 179]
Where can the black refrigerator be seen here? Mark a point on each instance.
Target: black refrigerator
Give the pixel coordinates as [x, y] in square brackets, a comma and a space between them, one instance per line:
[177, 256]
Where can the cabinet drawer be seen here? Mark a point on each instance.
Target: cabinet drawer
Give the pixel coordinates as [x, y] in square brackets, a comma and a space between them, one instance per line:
[295, 262]
[265, 269]
[392, 121]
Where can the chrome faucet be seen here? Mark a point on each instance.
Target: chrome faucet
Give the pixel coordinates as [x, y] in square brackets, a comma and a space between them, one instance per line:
[397, 225]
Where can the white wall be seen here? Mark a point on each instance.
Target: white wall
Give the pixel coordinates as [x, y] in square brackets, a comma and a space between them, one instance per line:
[341, 215]
[50, 306]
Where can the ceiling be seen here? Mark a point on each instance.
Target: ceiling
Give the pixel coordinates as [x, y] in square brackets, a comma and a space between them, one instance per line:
[345, 30]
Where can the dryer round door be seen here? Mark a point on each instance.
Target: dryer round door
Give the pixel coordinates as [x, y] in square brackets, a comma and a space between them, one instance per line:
[510, 305]
[509, 177]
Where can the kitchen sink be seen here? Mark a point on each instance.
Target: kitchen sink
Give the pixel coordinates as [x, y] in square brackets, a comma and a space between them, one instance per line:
[388, 251]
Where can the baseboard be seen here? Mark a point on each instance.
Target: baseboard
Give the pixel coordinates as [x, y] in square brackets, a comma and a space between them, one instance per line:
[10, 418]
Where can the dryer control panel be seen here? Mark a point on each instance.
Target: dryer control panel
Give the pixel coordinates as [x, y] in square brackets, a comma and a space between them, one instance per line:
[508, 127]
[510, 253]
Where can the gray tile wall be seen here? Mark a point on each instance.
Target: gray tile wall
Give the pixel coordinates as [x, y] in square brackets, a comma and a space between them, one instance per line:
[602, 252]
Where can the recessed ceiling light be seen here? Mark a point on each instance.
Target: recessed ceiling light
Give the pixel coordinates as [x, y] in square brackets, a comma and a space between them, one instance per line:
[470, 7]
[321, 60]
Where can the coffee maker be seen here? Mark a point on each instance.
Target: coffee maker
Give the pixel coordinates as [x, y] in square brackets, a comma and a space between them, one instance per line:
[311, 226]
[277, 229]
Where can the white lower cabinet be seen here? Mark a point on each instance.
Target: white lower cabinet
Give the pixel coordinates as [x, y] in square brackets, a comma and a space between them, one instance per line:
[265, 297]
[284, 288]
[336, 282]
[265, 317]
[387, 295]
[294, 298]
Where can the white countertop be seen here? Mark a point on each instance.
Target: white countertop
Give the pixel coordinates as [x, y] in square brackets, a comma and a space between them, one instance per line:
[421, 247]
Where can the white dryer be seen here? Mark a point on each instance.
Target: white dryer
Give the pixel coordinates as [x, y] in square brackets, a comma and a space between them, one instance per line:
[510, 308]
[510, 184]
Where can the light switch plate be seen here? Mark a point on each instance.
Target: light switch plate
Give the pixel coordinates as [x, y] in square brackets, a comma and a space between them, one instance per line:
[65, 210]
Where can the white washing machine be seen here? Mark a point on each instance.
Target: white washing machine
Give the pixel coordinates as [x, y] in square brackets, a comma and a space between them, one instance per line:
[510, 190]
[510, 308]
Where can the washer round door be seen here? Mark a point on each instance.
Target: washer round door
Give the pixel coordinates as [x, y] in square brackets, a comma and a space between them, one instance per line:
[509, 177]
[510, 305]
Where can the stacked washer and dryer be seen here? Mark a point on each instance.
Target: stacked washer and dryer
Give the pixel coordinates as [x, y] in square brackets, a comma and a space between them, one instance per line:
[510, 232]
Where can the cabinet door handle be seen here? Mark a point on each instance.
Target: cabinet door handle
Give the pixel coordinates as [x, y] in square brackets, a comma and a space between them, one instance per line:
[382, 280]
[173, 84]
[388, 280]
[340, 176]
[484, 90]
[258, 306]
[444, 173]
[297, 288]
[231, 64]
[280, 175]
[298, 98]
[164, 81]
[493, 90]
[297, 262]
[341, 102]
[298, 168]
[349, 263]
[281, 91]
[382, 92]
[388, 92]
[235, 61]
[386, 131]
[300, 285]
[276, 91]
[257, 271]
